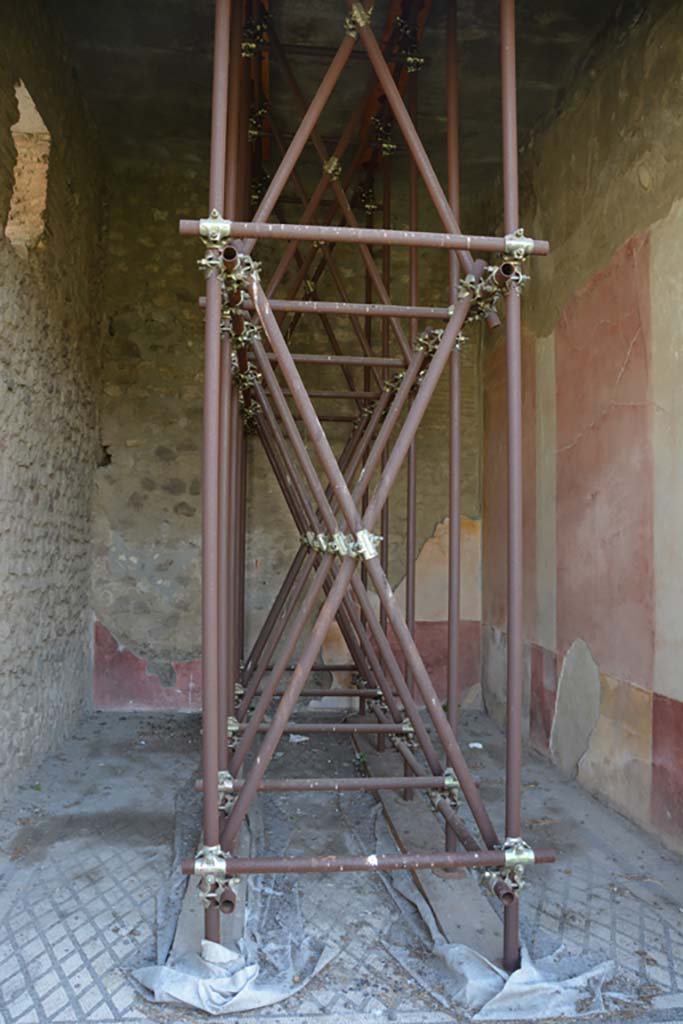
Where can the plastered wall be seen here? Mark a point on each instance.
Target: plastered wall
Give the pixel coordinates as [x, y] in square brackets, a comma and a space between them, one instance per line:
[49, 356]
[602, 421]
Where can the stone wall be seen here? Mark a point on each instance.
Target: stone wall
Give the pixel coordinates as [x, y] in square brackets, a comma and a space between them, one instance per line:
[49, 354]
[602, 415]
[146, 588]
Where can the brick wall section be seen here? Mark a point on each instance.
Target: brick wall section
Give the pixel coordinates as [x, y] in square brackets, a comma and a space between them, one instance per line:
[48, 424]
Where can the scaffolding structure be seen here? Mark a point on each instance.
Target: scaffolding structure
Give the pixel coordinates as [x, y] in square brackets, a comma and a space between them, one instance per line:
[340, 568]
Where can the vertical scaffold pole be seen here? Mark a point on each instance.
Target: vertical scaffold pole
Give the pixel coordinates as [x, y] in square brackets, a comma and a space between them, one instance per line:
[210, 459]
[453, 162]
[411, 469]
[513, 780]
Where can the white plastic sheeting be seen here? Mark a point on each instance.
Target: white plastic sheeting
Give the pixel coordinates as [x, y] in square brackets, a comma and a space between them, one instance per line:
[221, 981]
[559, 986]
[277, 956]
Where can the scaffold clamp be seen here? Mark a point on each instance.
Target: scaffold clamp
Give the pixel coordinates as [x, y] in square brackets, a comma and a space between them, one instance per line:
[518, 245]
[214, 229]
[518, 853]
[216, 887]
[357, 18]
[226, 791]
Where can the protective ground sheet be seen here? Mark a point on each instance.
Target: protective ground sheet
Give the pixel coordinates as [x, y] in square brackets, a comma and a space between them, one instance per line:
[275, 958]
[284, 947]
[557, 986]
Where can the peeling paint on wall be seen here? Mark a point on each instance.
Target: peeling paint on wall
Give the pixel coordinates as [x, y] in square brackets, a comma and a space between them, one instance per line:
[576, 708]
[431, 604]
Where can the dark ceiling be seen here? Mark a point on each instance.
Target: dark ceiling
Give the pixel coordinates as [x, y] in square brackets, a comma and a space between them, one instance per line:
[145, 67]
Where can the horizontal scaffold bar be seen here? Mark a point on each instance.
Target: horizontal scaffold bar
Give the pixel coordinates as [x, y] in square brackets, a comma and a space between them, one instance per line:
[374, 862]
[339, 360]
[361, 783]
[338, 395]
[336, 727]
[332, 692]
[235, 229]
[357, 309]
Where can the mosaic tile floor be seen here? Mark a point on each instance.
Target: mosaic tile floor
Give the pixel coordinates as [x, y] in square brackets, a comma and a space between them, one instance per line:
[88, 846]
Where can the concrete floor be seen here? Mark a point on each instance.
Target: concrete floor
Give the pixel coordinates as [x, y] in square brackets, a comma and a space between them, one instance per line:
[89, 886]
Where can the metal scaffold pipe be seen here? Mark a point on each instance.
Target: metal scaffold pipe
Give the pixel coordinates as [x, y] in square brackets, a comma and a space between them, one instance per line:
[337, 482]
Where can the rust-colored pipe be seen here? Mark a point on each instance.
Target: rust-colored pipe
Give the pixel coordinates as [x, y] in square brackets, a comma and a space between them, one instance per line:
[386, 278]
[210, 458]
[224, 547]
[366, 608]
[349, 508]
[275, 609]
[454, 825]
[453, 164]
[357, 692]
[339, 360]
[464, 245]
[327, 612]
[513, 774]
[353, 450]
[356, 446]
[411, 468]
[364, 783]
[296, 684]
[358, 309]
[415, 145]
[359, 591]
[290, 582]
[305, 518]
[234, 527]
[315, 393]
[347, 136]
[375, 862]
[333, 728]
[364, 656]
[302, 134]
[344, 205]
[227, 442]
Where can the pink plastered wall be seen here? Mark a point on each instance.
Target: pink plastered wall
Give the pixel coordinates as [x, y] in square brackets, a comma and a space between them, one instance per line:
[603, 588]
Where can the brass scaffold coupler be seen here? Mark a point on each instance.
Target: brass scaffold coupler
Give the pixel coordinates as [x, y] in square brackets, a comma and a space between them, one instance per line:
[226, 792]
[450, 791]
[382, 129]
[485, 291]
[362, 545]
[249, 333]
[232, 730]
[358, 17]
[408, 733]
[333, 168]
[518, 245]
[214, 231]
[428, 340]
[518, 856]
[256, 125]
[216, 887]
[254, 37]
[409, 51]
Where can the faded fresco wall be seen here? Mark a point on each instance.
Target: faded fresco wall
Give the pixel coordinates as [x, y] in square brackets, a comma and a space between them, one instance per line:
[603, 417]
[147, 511]
[50, 207]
